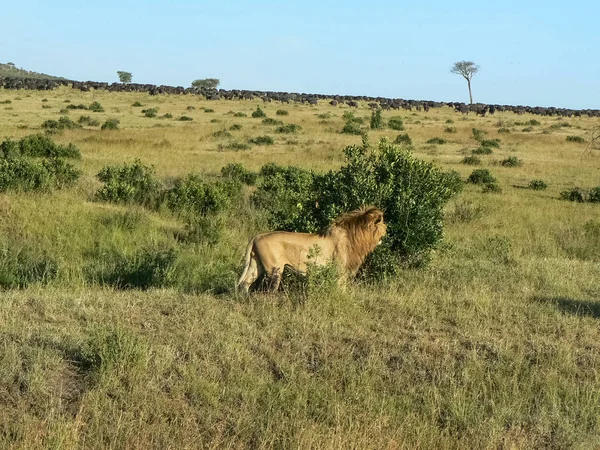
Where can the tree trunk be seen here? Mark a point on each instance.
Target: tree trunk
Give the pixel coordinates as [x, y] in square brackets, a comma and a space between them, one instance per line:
[470, 95]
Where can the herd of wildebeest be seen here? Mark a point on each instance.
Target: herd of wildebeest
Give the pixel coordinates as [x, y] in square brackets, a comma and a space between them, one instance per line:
[289, 97]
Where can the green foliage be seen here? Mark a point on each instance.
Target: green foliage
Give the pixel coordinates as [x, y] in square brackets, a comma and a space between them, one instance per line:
[136, 104]
[209, 110]
[192, 195]
[80, 106]
[450, 130]
[38, 145]
[577, 139]
[504, 130]
[573, 195]
[471, 160]
[110, 124]
[240, 114]
[482, 151]
[124, 77]
[166, 116]
[221, 134]
[22, 266]
[396, 123]
[130, 183]
[281, 112]
[376, 120]
[491, 143]
[478, 134]
[534, 122]
[527, 129]
[436, 140]
[237, 146]
[96, 107]
[511, 161]
[491, 187]
[481, 176]
[259, 113]
[55, 126]
[87, 120]
[403, 139]
[235, 127]
[202, 230]
[185, 118]
[192, 108]
[290, 128]
[262, 140]
[351, 128]
[594, 195]
[537, 185]
[150, 112]
[23, 174]
[238, 172]
[271, 121]
[206, 83]
[411, 192]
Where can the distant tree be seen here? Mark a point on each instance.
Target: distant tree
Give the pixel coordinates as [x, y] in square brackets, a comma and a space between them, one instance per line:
[206, 83]
[124, 77]
[466, 69]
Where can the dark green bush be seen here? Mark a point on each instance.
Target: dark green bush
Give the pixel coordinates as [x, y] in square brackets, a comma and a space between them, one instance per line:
[136, 104]
[38, 145]
[54, 126]
[395, 123]
[578, 139]
[533, 122]
[511, 161]
[573, 195]
[482, 151]
[166, 116]
[504, 130]
[492, 143]
[240, 114]
[237, 146]
[185, 118]
[537, 185]
[150, 112]
[281, 112]
[403, 139]
[96, 107]
[21, 267]
[290, 128]
[271, 121]
[594, 195]
[471, 160]
[191, 108]
[376, 120]
[262, 140]
[238, 172]
[130, 183]
[193, 195]
[481, 176]
[478, 134]
[235, 127]
[450, 130]
[492, 187]
[87, 120]
[221, 134]
[258, 113]
[209, 110]
[351, 128]
[110, 124]
[348, 116]
[76, 107]
[411, 192]
[527, 130]
[449, 121]
[22, 174]
[436, 140]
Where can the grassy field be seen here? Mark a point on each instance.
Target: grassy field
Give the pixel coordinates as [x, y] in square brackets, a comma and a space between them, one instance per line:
[495, 344]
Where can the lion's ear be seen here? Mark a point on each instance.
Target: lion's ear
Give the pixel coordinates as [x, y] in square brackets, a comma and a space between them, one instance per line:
[378, 218]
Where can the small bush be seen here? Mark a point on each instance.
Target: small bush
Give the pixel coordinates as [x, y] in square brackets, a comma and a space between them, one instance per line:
[38, 145]
[471, 160]
[22, 174]
[202, 230]
[478, 134]
[282, 112]
[449, 121]
[578, 139]
[221, 134]
[491, 187]
[482, 151]
[5, 102]
[166, 116]
[290, 128]
[96, 107]
[492, 143]
[21, 267]
[191, 108]
[376, 120]
[258, 113]
[136, 104]
[481, 176]
[110, 124]
[54, 126]
[46, 107]
[130, 183]
[150, 112]
[193, 195]
[215, 121]
[396, 123]
[240, 114]
[511, 161]
[533, 122]
[403, 139]
[271, 121]
[235, 127]
[87, 120]
[262, 140]
[185, 118]
[450, 130]
[573, 195]
[209, 110]
[238, 172]
[436, 140]
[351, 128]
[237, 146]
[527, 130]
[537, 185]
[504, 130]
[594, 195]
[80, 106]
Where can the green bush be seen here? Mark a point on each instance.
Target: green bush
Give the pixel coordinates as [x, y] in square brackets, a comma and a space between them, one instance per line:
[511, 161]
[76, 107]
[403, 139]
[537, 185]
[533, 122]
[54, 126]
[482, 151]
[436, 140]
[481, 176]
[395, 123]
[110, 124]
[185, 118]
[594, 195]
[38, 145]
[191, 108]
[573, 195]
[271, 121]
[351, 128]
[22, 174]
[478, 134]
[258, 113]
[150, 112]
[96, 107]
[410, 191]
[527, 130]
[130, 183]
[193, 195]
[237, 172]
[21, 267]
[136, 104]
[450, 130]
[492, 187]
[221, 134]
[376, 120]
[492, 143]
[471, 160]
[282, 112]
[290, 128]
[578, 139]
[504, 130]
[240, 114]
[235, 127]
[237, 146]
[166, 116]
[209, 110]
[87, 120]
[262, 140]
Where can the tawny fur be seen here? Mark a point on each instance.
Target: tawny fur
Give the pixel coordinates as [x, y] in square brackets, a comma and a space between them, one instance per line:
[347, 242]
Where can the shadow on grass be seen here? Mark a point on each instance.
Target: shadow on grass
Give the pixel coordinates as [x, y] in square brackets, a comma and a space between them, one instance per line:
[587, 308]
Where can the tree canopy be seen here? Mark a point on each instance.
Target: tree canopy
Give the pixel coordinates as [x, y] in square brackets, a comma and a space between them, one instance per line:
[124, 77]
[206, 83]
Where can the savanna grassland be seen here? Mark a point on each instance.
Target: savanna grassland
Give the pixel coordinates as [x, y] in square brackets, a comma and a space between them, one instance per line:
[495, 343]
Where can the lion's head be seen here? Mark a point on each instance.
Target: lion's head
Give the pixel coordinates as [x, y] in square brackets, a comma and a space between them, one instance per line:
[364, 229]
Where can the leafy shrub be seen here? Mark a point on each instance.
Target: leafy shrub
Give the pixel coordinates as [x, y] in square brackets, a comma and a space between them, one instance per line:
[478, 134]
[238, 172]
[465, 212]
[237, 146]
[38, 145]
[193, 195]
[130, 183]
[376, 120]
[436, 140]
[235, 127]
[492, 143]
[62, 174]
[290, 128]
[22, 174]
[348, 116]
[411, 192]
[527, 130]
[262, 140]
[504, 130]
[21, 267]
[80, 106]
[281, 112]
[136, 104]
[6, 102]
[96, 107]
[258, 113]
[556, 126]
[221, 134]
[215, 120]
[202, 230]
[403, 139]
[492, 187]
[395, 123]
[110, 124]
[191, 108]
[450, 130]
[351, 128]
[578, 139]
[537, 185]
[209, 110]
[481, 176]
[240, 114]
[533, 122]
[166, 116]
[87, 120]
[64, 122]
[594, 195]
[573, 195]
[471, 160]
[150, 112]
[271, 121]
[482, 151]
[449, 121]
[511, 161]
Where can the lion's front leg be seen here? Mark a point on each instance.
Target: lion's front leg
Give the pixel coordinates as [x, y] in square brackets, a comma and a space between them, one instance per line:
[275, 276]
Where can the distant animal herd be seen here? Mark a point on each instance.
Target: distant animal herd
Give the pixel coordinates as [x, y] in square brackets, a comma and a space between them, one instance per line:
[289, 97]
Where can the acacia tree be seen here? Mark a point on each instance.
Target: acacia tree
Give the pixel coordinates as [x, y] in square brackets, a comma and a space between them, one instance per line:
[206, 83]
[124, 77]
[466, 69]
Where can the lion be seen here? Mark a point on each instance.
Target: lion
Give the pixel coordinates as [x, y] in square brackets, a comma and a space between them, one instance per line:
[347, 242]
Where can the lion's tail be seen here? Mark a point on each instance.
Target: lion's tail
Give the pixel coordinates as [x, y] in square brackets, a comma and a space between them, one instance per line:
[247, 264]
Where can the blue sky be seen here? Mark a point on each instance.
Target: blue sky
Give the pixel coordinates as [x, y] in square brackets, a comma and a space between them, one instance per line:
[530, 52]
